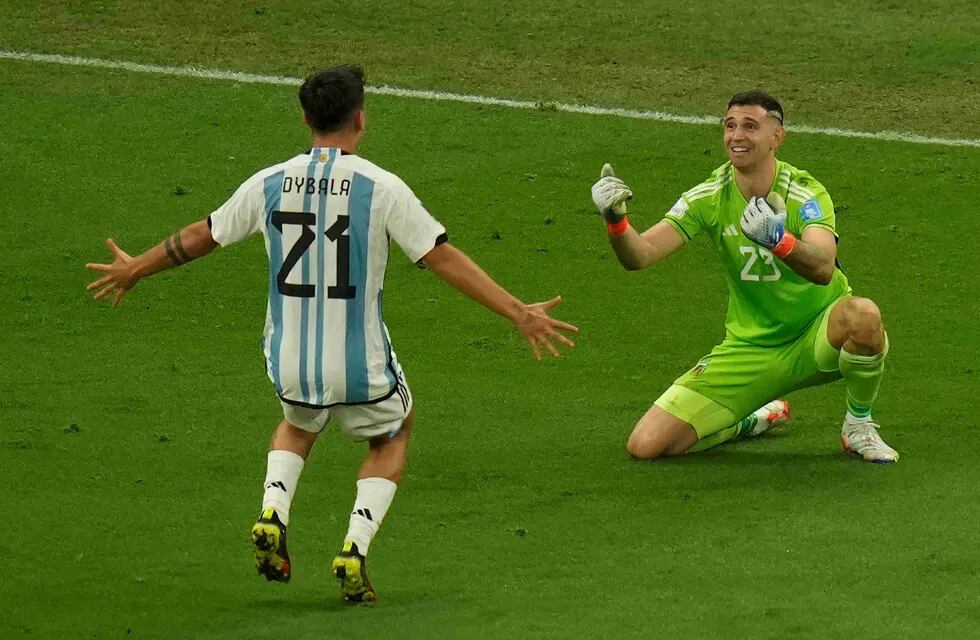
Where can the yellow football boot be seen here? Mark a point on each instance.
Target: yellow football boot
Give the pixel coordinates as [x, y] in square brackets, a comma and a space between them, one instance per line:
[269, 542]
[350, 568]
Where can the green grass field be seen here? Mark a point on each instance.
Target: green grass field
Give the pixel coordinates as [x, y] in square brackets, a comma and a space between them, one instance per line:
[132, 440]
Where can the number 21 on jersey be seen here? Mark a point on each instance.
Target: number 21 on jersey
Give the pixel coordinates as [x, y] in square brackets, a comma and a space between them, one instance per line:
[343, 289]
[769, 264]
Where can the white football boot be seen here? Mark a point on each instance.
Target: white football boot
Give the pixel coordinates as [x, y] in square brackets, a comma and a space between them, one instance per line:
[862, 439]
[772, 414]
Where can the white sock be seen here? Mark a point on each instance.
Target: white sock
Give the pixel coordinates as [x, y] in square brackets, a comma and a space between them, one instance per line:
[281, 478]
[761, 422]
[374, 496]
[854, 419]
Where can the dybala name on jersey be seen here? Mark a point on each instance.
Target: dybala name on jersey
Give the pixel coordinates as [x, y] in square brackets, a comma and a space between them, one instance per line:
[321, 186]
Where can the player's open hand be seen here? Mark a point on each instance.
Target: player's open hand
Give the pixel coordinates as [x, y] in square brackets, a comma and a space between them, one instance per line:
[120, 276]
[538, 328]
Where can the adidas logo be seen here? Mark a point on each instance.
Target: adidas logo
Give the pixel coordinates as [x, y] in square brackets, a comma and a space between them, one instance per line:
[276, 485]
[364, 513]
[730, 231]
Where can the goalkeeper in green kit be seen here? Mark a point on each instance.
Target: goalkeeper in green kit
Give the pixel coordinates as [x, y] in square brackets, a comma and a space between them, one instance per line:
[792, 320]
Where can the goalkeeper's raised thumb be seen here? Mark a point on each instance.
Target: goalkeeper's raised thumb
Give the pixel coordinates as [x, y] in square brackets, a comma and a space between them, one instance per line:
[776, 202]
[616, 209]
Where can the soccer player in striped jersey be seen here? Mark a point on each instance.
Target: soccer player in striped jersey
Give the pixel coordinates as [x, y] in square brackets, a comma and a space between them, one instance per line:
[327, 217]
[792, 319]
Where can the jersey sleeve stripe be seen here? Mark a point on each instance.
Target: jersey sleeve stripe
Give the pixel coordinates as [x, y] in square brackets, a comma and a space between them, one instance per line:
[782, 181]
[801, 196]
[706, 188]
[691, 197]
[797, 189]
[707, 184]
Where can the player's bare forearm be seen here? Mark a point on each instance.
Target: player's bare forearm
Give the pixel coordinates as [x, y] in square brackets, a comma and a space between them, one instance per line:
[631, 250]
[812, 262]
[637, 251]
[193, 241]
[814, 255]
[456, 269]
[531, 320]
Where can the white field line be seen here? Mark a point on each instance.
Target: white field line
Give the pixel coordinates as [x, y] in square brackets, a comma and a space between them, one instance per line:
[636, 114]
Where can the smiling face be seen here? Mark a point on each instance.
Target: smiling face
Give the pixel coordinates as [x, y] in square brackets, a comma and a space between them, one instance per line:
[752, 135]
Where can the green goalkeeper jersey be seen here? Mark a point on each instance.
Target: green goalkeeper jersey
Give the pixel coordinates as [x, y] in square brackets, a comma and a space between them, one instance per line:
[768, 303]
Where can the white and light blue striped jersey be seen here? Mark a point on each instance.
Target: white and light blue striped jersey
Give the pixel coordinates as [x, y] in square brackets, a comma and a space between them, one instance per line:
[327, 218]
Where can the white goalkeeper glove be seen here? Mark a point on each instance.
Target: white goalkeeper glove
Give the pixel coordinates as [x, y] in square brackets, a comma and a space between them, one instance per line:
[610, 195]
[764, 222]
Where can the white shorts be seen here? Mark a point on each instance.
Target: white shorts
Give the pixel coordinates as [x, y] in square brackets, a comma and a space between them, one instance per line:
[357, 421]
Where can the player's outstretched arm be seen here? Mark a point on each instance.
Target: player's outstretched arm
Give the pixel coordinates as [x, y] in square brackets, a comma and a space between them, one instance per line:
[634, 250]
[532, 320]
[639, 250]
[193, 241]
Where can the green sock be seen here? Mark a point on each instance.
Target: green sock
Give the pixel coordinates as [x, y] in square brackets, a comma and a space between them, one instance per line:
[741, 429]
[715, 439]
[745, 426]
[863, 377]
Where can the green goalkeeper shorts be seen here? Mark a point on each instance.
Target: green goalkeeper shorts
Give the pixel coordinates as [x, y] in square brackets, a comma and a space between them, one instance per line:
[738, 377]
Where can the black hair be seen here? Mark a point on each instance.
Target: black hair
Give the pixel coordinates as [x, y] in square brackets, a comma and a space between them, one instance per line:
[761, 98]
[331, 97]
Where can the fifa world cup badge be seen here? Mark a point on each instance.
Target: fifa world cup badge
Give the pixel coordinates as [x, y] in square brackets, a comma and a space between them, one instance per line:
[810, 211]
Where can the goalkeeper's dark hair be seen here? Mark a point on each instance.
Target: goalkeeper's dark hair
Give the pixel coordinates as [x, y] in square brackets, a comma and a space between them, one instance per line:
[331, 97]
[760, 98]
